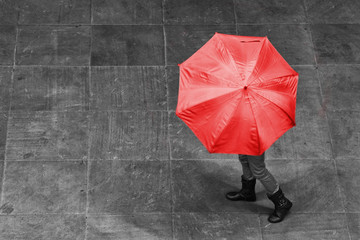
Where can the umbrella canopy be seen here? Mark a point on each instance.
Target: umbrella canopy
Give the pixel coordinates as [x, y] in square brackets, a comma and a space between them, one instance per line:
[237, 94]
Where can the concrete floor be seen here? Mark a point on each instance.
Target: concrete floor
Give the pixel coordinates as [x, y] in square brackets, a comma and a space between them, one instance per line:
[90, 146]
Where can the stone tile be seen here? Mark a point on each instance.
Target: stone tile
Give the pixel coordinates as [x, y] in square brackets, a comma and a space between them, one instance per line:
[201, 185]
[333, 11]
[8, 12]
[3, 133]
[127, 12]
[349, 179]
[263, 11]
[172, 77]
[283, 148]
[336, 43]
[7, 44]
[44, 187]
[183, 41]
[47, 136]
[135, 226]
[216, 226]
[50, 88]
[128, 88]
[54, 12]
[5, 86]
[129, 135]
[311, 185]
[312, 136]
[185, 145]
[199, 12]
[354, 225]
[35, 227]
[345, 133]
[314, 226]
[53, 45]
[127, 45]
[1, 177]
[308, 92]
[126, 187]
[292, 41]
[340, 86]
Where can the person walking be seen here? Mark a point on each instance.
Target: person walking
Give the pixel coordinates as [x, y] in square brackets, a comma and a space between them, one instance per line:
[254, 168]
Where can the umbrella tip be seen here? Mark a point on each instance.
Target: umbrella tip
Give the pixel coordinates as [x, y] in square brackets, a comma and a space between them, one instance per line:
[179, 64]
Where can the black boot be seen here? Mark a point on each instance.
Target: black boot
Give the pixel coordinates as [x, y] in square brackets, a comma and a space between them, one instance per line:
[247, 193]
[282, 206]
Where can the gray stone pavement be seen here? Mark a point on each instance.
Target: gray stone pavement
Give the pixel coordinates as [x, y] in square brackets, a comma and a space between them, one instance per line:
[90, 147]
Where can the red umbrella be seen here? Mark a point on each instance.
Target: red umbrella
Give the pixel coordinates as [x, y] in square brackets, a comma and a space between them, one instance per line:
[237, 94]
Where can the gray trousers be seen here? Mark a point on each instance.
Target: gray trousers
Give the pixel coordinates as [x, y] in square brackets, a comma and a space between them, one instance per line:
[254, 167]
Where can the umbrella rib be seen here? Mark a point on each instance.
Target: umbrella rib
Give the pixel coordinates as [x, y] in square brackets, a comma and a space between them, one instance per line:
[231, 57]
[184, 113]
[220, 78]
[200, 103]
[257, 129]
[230, 119]
[271, 91]
[205, 87]
[275, 105]
[274, 132]
[270, 79]
[257, 60]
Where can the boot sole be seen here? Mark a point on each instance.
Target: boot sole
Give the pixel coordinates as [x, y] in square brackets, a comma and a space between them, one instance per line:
[241, 200]
[246, 200]
[288, 210]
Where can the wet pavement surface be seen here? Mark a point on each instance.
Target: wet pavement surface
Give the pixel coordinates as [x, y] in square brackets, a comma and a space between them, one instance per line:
[91, 148]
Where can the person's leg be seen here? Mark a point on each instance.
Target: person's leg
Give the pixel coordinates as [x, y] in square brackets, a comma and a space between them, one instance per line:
[260, 172]
[247, 192]
[245, 167]
[274, 192]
